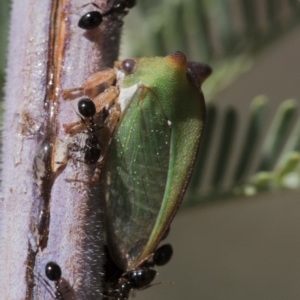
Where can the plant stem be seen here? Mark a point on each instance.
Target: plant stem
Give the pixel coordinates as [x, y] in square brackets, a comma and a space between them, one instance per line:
[44, 217]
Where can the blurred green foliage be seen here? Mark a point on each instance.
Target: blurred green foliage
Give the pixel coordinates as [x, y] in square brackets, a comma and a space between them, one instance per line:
[227, 34]
[209, 30]
[278, 163]
[4, 17]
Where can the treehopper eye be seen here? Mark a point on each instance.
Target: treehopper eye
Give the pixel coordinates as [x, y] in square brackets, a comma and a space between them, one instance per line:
[152, 152]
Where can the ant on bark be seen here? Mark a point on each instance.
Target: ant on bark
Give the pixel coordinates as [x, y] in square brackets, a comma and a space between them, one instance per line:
[93, 19]
[96, 112]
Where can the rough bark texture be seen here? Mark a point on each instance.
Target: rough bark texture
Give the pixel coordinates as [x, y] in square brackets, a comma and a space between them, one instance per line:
[49, 53]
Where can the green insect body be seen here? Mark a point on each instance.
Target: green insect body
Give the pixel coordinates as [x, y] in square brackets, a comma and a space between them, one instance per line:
[152, 152]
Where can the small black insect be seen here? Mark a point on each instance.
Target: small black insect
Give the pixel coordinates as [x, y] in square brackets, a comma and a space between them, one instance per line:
[93, 19]
[53, 273]
[135, 279]
[90, 20]
[93, 148]
[162, 255]
[118, 284]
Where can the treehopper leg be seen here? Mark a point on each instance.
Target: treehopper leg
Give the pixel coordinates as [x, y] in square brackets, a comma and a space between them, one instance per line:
[106, 77]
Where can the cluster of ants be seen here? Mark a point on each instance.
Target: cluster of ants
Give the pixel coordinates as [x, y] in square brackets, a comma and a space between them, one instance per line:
[86, 107]
[117, 283]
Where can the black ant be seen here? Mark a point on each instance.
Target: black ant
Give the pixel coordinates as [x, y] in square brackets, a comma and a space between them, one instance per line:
[118, 284]
[93, 148]
[93, 19]
[53, 273]
[100, 113]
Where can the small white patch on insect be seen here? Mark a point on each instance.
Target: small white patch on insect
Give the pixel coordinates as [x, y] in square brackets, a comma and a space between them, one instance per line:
[126, 96]
[169, 123]
[125, 93]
